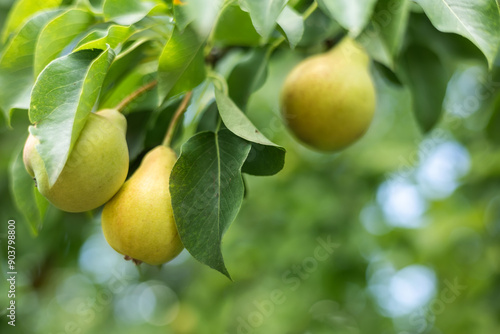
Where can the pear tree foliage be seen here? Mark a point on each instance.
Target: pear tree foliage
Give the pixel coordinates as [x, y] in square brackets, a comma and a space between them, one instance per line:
[77, 57]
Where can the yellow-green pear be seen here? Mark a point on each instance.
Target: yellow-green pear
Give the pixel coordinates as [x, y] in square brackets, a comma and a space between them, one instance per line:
[328, 100]
[95, 169]
[138, 221]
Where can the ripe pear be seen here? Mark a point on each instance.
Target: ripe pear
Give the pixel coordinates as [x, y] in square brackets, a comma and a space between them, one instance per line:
[328, 100]
[138, 221]
[95, 169]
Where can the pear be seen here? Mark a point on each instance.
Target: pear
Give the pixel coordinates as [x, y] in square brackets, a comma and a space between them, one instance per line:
[138, 221]
[95, 169]
[328, 100]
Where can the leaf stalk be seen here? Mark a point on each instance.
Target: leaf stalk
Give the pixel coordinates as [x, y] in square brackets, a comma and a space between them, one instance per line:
[134, 95]
[175, 119]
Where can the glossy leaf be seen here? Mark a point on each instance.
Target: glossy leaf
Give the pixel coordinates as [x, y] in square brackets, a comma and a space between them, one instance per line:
[268, 158]
[127, 12]
[115, 35]
[201, 102]
[352, 15]
[264, 14]
[383, 37]
[248, 76]
[292, 25]
[159, 121]
[182, 65]
[317, 28]
[387, 74]
[158, 27]
[135, 79]
[427, 78]
[62, 99]
[478, 21]
[207, 191]
[209, 119]
[22, 11]
[201, 13]
[264, 160]
[452, 47]
[124, 62]
[245, 35]
[27, 199]
[58, 34]
[16, 64]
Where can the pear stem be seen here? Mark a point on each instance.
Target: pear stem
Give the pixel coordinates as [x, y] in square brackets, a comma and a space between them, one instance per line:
[175, 119]
[127, 100]
[309, 10]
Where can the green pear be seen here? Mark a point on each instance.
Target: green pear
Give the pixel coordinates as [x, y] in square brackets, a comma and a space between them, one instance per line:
[95, 169]
[138, 221]
[328, 100]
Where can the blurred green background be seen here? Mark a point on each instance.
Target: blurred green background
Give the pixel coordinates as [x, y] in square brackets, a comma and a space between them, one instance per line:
[397, 234]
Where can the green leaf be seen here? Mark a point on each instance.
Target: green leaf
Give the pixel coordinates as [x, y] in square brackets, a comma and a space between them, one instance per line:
[22, 11]
[376, 48]
[237, 122]
[292, 25]
[124, 62]
[318, 28]
[135, 79]
[207, 191]
[115, 35]
[16, 65]
[209, 118]
[452, 48]
[396, 20]
[136, 131]
[127, 12]
[225, 33]
[201, 102]
[383, 37]
[248, 76]
[157, 27]
[62, 99]
[387, 74]
[27, 199]
[478, 21]
[264, 14]
[264, 160]
[352, 15]
[427, 79]
[159, 121]
[182, 65]
[201, 13]
[58, 34]
[267, 158]
[93, 35]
